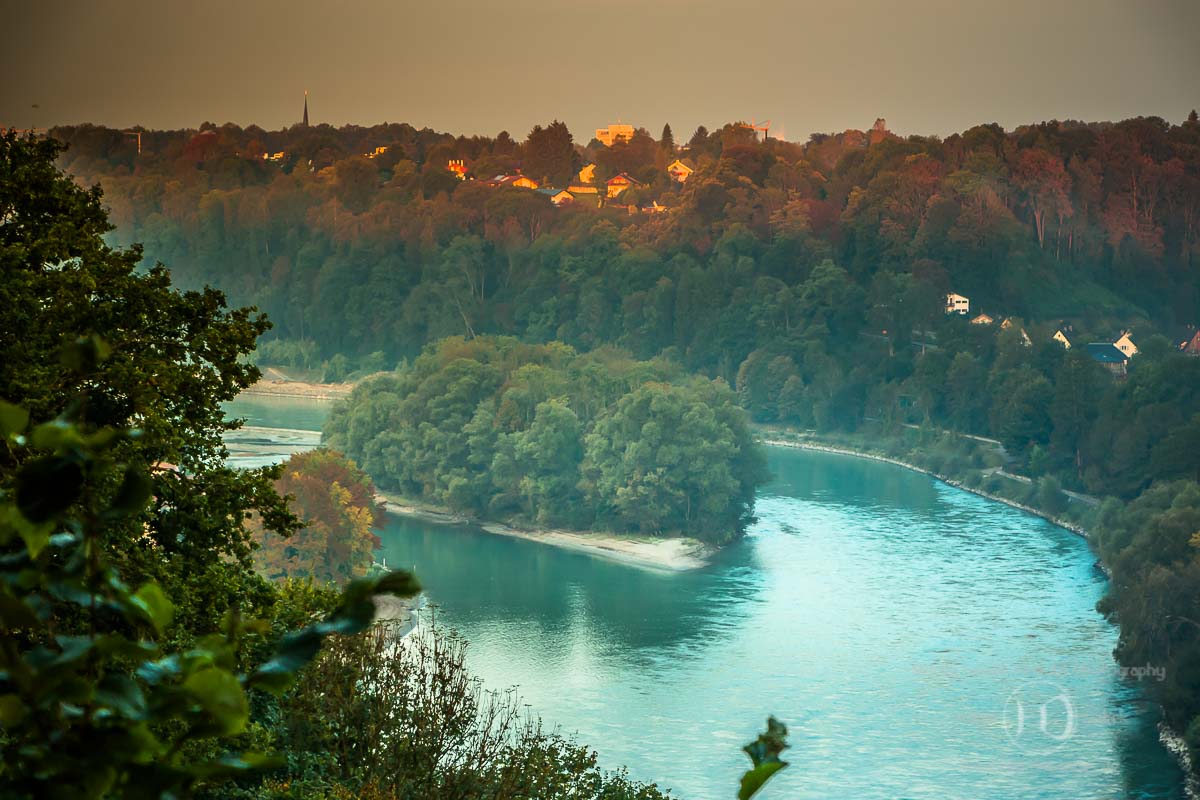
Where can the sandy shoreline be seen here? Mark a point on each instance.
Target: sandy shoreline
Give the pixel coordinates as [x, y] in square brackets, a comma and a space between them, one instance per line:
[662, 555]
[313, 391]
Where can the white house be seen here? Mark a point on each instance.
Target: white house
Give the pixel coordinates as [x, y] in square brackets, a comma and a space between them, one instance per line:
[957, 304]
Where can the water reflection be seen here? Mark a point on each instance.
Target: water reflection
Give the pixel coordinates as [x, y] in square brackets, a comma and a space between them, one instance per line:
[886, 617]
[481, 579]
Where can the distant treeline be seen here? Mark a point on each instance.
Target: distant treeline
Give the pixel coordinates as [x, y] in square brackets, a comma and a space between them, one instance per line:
[1097, 222]
[504, 429]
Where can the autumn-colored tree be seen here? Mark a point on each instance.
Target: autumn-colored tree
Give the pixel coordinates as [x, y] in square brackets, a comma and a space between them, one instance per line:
[337, 504]
[1047, 186]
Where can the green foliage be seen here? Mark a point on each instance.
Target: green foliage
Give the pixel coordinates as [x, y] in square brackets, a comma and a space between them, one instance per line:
[162, 361]
[1049, 495]
[422, 727]
[498, 428]
[113, 710]
[287, 353]
[1152, 546]
[764, 752]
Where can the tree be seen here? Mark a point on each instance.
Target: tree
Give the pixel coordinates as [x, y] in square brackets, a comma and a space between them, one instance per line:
[500, 428]
[423, 727]
[548, 455]
[336, 504]
[100, 696]
[1178, 455]
[965, 401]
[356, 179]
[667, 140]
[1077, 388]
[549, 154]
[1020, 413]
[1047, 186]
[166, 363]
[661, 462]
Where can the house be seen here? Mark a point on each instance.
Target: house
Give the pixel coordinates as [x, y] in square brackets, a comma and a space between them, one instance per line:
[1008, 324]
[680, 170]
[458, 167]
[982, 319]
[583, 192]
[1107, 355]
[587, 174]
[620, 183]
[274, 156]
[1126, 345]
[654, 208]
[1191, 346]
[614, 133]
[520, 181]
[957, 304]
[1061, 337]
[560, 197]
[377, 152]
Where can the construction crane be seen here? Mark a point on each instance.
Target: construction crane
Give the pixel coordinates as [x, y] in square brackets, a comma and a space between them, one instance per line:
[765, 128]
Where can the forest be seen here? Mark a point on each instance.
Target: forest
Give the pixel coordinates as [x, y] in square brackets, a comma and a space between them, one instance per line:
[503, 429]
[809, 277]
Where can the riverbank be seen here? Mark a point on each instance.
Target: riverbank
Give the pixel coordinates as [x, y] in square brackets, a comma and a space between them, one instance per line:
[290, 388]
[661, 555]
[1172, 740]
[801, 444]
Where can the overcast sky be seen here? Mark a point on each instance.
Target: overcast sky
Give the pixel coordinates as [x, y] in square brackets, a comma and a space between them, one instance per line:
[481, 66]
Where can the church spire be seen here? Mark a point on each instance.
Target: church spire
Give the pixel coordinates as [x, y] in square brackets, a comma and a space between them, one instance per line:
[306, 108]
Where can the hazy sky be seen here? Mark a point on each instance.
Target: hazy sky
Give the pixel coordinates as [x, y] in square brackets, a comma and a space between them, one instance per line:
[480, 66]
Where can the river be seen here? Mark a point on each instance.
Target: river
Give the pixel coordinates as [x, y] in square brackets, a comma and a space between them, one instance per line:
[918, 640]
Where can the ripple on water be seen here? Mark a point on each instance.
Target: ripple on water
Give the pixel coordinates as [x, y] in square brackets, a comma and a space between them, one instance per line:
[886, 617]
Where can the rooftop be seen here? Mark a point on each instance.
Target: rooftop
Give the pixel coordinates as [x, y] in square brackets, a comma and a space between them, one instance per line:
[1106, 353]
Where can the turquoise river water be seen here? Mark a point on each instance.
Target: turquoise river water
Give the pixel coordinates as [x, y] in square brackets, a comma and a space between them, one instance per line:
[919, 641]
